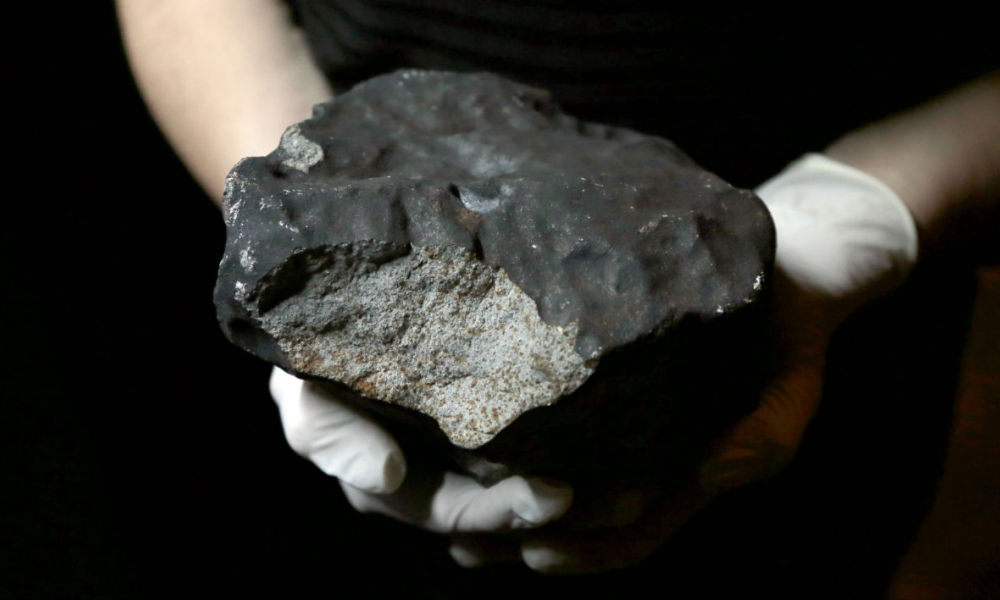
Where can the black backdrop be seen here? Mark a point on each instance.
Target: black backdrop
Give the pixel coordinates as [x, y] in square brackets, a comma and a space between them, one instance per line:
[146, 458]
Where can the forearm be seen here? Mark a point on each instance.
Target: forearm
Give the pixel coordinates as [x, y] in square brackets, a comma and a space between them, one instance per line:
[222, 78]
[942, 158]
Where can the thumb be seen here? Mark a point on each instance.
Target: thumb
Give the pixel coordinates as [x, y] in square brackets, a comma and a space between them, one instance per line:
[336, 438]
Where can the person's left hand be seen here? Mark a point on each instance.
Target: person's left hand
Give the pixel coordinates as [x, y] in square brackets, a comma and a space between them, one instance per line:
[843, 238]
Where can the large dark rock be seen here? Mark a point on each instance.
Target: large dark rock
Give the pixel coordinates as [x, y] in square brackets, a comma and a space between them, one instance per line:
[456, 246]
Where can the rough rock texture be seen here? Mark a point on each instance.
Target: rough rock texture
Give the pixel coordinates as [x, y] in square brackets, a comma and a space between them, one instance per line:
[456, 245]
[435, 330]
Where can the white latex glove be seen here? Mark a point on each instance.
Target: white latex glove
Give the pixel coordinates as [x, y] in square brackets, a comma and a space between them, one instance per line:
[373, 472]
[843, 238]
[841, 234]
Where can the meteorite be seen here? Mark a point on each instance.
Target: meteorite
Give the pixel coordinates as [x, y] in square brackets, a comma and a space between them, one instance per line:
[455, 246]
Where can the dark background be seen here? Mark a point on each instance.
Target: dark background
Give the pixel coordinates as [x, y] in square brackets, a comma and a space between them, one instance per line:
[146, 457]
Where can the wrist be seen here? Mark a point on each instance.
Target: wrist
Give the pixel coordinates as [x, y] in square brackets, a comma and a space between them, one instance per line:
[911, 173]
[942, 159]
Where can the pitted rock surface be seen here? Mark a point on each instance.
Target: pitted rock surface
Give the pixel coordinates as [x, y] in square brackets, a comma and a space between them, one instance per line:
[454, 244]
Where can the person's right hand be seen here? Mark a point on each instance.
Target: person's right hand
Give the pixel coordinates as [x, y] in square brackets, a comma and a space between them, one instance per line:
[373, 473]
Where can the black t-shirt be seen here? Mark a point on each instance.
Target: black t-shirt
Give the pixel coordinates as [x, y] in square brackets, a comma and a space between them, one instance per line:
[743, 91]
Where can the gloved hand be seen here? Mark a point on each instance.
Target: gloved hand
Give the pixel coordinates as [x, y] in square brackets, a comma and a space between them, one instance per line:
[842, 235]
[843, 238]
[373, 471]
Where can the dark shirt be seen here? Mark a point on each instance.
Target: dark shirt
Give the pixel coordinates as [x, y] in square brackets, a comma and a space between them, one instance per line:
[743, 92]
